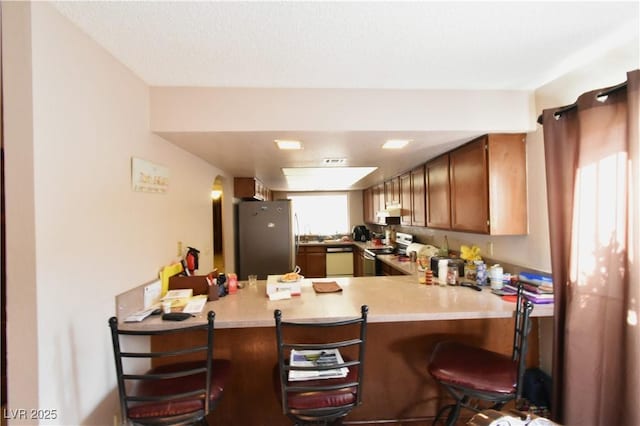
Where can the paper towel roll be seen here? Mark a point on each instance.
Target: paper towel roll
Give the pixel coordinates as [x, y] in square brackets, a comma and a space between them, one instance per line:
[443, 265]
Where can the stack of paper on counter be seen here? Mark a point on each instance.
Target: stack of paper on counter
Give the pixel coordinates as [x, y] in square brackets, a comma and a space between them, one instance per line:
[178, 298]
[195, 304]
[316, 358]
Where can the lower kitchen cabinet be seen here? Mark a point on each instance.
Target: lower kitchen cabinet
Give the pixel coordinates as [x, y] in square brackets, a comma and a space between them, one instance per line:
[312, 261]
[358, 261]
[388, 270]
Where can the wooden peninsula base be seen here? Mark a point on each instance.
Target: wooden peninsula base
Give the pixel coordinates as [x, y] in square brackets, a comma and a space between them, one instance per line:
[405, 322]
[396, 384]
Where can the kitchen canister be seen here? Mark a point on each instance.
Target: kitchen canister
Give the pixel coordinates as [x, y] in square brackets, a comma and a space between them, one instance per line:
[452, 275]
[495, 276]
[443, 269]
[481, 272]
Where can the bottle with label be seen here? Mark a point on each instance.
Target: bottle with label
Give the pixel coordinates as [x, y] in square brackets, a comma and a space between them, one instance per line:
[452, 275]
[233, 283]
[481, 272]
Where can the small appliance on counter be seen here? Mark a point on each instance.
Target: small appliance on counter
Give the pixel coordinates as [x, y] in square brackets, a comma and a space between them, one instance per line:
[452, 262]
[360, 233]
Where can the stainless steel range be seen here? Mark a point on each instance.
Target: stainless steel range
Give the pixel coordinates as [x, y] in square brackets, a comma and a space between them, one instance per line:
[370, 254]
[402, 242]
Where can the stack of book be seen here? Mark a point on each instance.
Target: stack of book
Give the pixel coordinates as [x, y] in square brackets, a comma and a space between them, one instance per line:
[537, 288]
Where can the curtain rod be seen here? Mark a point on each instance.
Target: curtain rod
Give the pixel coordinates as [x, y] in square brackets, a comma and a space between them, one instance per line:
[605, 92]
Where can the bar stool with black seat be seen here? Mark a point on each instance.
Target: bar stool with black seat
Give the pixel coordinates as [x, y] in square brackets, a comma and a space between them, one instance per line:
[183, 386]
[471, 373]
[306, 396]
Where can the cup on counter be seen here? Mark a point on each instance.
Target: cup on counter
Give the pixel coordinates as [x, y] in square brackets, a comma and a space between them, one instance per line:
[253, 280]
[166, 307]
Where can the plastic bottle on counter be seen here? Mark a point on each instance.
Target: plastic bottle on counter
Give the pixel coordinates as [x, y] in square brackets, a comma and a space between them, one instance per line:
[233, 283]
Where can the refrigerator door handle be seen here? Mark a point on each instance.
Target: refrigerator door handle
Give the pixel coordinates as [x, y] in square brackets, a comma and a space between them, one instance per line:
[295, 218]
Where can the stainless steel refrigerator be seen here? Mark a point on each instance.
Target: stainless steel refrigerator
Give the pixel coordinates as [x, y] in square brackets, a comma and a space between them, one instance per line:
[265, 241]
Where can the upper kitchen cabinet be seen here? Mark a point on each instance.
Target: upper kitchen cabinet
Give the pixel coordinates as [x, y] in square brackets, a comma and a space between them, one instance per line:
[250, 188]
[391, 192]
[378, 203]
[488, 187]
[406, 202]
[418, 195]
[373, 202]
[367, 206]
[438, 195]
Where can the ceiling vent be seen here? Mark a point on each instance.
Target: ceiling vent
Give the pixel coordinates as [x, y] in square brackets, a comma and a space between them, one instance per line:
[334, 161]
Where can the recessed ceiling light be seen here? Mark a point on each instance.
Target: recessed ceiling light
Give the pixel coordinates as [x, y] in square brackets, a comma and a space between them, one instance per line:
[396, 143]
[288, 144]
[324, 178]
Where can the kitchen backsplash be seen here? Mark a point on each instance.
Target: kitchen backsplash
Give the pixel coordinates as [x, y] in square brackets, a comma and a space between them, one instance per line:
[456, 239]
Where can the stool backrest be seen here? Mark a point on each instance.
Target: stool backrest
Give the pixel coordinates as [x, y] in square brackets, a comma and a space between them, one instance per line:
[323, 337]
[162, 381]
[521, 332]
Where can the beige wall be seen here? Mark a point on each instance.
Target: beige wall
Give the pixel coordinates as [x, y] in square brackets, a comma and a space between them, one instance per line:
[195, 109]
[22, 296]
[77, 234]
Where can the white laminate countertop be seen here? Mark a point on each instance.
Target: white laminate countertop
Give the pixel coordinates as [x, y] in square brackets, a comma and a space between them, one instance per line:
[390, 299]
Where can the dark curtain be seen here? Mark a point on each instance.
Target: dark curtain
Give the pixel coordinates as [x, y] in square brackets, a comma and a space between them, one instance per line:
[591, 154]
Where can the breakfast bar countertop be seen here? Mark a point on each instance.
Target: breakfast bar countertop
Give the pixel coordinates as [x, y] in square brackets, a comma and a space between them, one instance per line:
[390, 299]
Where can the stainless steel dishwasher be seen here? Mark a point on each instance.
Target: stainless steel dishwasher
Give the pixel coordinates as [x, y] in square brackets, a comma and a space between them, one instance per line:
[339, 261]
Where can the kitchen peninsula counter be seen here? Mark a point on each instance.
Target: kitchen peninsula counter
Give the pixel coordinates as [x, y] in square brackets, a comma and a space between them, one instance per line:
[406, 320]
[390, 299]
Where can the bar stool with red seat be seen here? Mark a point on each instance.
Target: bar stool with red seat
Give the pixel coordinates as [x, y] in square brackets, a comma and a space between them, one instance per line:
[320, 400]
[471, 373]
[177, 391]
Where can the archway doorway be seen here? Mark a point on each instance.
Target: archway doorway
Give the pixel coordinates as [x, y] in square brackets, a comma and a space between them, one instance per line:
[216, 203]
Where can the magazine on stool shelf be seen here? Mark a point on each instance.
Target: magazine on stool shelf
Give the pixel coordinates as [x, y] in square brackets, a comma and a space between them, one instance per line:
[316, 358]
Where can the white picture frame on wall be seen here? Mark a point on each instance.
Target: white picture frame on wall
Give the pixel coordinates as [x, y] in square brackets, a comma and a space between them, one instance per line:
[149, 177]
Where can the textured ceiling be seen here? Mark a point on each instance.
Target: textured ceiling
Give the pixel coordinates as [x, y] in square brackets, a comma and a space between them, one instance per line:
[355, 45]
[408, 45]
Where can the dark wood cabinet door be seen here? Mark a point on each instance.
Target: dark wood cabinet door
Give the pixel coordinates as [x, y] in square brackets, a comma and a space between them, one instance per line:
[358, 267]
[469, 187]
[392, 192]
[405, 199]
[378, 202]
[438, 200]
[418, 196]
[301, 259]
[312, 261]
[367, 206]
[507, 161]
[316, 265]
